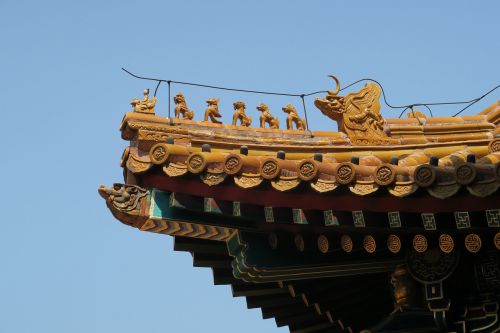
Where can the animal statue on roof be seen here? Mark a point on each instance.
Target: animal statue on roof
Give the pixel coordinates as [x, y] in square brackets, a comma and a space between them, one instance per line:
[293, 118]
[212, 111]
[267, 117]
[240, 114]
[146, 105]
[357, 114]
[181, 108]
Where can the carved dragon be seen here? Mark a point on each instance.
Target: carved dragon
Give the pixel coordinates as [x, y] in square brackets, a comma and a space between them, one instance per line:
[357, 114]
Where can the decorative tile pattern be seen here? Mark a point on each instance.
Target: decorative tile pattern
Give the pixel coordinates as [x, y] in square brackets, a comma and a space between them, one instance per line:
[330, 219]
[394, 219]
[429, 221]
[493, 218]
[298, 216]
[269, 215]
[236, 208]
[462, 220]
[359, 220]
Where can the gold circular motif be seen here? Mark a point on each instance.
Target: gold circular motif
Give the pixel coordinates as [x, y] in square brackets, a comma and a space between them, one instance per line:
[384, 175]
[346, 243]
[473, 243]
[496, 240]
[124, 157]
[158, 153]
[425, 175]
[323, 244]
[272, 239]
[446, 243]
[232, 164]
[494, 146]
[465, 174]
[270, 169]
[420, 243]
[307, 170]
[369, 244]
[299, 242]
[345, 173]
[196, 163]
[394, 243]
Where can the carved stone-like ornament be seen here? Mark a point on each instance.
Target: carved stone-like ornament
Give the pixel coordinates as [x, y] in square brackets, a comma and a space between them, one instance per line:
[158, 153]
[196, 163]
[345, 173]
[307, 170]
[494, 145]
[346, 243]
[369, 244]
[446, 243]
[420, 243]
[425, 175]
[126, 198]
[465, 174]
[473, 243]
[384, 175]
[394, 243]
[232, 164]
[270, 169]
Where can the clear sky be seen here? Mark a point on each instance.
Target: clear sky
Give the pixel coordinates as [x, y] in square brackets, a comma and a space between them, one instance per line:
[66, 264]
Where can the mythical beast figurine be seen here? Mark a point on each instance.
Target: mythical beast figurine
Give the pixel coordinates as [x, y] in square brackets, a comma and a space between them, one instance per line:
[181, 108]
[357, 114]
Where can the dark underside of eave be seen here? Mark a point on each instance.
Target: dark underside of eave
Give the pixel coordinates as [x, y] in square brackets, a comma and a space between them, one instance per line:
[315, 305]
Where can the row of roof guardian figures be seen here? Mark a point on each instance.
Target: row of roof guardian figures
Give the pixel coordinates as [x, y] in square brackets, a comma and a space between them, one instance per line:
[212, 114]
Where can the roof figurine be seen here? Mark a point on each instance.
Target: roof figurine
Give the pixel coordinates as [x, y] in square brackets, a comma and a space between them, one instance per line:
[267, 117]
[146, 105]
[181, 108]
[212, 111]
[240, 114]
[293, 118]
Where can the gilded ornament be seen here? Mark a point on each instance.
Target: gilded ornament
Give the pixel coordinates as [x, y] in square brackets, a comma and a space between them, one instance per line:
[446, 243]
[357, 114]
[394, 243]
[345, 173]
[420, 243]
[267, 118]
[473, 243]
[308, 170]
[233, 164]
[369, 244]
[146, 105]
[239, 114]
[293, 118]
[270, 169]
[159, 153]
[196, 163]
[384, 174]
[212, 111]
[181, 109]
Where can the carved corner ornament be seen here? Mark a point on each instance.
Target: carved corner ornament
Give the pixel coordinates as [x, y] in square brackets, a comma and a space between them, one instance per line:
[357, 114]
[147, 105]
[126, 203]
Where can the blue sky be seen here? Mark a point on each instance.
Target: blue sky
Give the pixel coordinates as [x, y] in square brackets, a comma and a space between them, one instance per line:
[66, 264]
